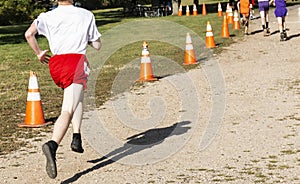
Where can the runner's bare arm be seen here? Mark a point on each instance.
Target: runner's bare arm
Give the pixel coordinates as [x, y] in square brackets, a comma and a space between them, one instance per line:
[30, 37]
[96, 44]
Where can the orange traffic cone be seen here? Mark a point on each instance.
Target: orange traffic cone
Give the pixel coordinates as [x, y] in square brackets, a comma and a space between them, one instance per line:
[187, 12]
[210, 41]
[146, 73]
[225, 30]
[236, 22]
[34, 112]
[227, 9]
[180, 10]
[203, 9]
[189, 57]
[195, 11]
[220, 11]
[230, 16]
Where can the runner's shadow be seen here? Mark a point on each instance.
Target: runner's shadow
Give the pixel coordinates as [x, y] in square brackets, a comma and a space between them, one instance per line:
[277, 31]
[254, 18]
[274, 32]
[255, 32]
[135, 143]
[293, 36]
[52, 119]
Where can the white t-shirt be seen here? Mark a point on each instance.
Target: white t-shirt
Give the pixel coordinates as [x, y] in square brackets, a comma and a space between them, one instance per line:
[68, 29]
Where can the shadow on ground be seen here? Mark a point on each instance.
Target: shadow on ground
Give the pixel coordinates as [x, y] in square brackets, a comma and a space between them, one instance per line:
[135, 143]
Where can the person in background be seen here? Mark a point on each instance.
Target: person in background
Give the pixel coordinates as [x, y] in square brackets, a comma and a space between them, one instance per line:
[244, 8]
[263, 7]
[69, 30]
[280, 13]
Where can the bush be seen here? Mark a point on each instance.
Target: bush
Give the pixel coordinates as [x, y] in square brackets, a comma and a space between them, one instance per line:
[19, 11]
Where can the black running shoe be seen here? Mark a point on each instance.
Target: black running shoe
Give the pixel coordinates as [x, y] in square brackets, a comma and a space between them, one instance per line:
[50, 152]
[282, 36]
[76, 144]
[266, 32]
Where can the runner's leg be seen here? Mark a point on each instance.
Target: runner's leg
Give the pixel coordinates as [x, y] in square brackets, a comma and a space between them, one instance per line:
[263, 20]
[72, 97]
[77, 116]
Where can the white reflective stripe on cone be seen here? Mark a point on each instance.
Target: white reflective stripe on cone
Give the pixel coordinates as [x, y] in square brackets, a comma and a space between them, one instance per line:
[33, 96]
[187, 9]
[145, 60]
[209, 34]
[189, 47]
[219, 7]
[33, 83]
[188, 40]
[145, 52]
[208, 28]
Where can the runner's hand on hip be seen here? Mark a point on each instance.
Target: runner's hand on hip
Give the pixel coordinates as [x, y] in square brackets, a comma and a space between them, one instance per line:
[43, 57]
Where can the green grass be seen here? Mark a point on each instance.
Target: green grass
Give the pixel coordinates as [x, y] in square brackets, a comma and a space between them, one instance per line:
[17, 59]
[12, 34]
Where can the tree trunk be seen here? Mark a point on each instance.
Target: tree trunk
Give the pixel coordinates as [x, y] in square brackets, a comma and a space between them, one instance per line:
[175, 7]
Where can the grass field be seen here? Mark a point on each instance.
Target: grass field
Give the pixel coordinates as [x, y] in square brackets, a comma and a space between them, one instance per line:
[17, 59]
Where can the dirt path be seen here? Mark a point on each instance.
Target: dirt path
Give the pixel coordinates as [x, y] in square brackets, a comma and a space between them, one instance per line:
[257, 141]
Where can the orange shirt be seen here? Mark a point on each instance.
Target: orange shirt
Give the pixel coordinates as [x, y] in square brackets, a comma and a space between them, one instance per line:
[244, 7]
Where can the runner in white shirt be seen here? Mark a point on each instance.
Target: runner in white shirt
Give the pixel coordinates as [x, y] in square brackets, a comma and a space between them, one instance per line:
[69, 30]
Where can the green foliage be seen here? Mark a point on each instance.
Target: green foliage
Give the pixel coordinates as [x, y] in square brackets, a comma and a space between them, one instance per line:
[19, 11]
[12, 11]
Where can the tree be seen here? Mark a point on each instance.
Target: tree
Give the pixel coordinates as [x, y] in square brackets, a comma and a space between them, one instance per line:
[19, 11]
